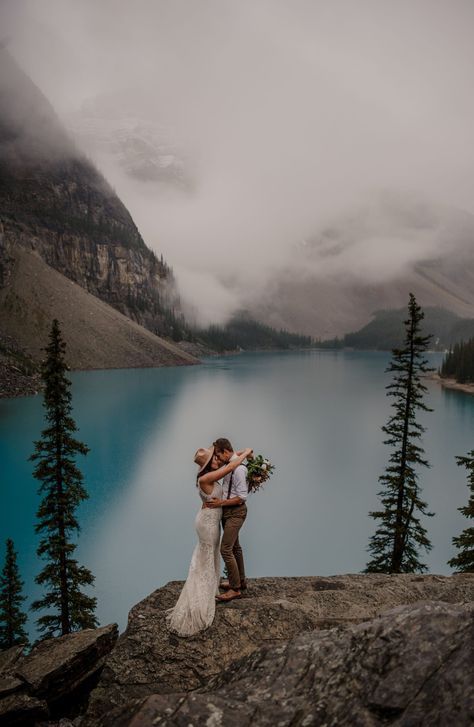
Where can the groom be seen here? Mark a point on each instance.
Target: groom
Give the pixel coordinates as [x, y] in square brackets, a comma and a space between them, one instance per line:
[234, 512]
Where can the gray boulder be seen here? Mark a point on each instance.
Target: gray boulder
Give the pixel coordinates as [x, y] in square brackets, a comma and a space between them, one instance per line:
[22, 710]
[8, 683]
[55, 677]
[8, 658]
[411, 666]
[149, 660]
[57, 667]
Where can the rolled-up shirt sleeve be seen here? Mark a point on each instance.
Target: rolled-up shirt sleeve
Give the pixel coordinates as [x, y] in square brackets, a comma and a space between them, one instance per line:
[239, 483]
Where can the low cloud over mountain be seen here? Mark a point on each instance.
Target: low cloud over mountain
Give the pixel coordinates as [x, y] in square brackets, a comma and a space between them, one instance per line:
[251, 127]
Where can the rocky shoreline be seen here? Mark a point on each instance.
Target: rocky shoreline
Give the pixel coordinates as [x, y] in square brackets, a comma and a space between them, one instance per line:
[19, 372]
[453, 384]
[19, 375]
[366, 649]
[14, 383]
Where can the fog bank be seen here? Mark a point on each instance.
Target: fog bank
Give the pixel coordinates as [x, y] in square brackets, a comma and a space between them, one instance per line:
[288, 119]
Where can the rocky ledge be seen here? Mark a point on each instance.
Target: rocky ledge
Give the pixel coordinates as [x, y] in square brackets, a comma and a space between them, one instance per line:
[410, 666]
[55, 678]
[339, 650]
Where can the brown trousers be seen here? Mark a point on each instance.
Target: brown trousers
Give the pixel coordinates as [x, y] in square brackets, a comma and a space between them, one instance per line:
[233, 518]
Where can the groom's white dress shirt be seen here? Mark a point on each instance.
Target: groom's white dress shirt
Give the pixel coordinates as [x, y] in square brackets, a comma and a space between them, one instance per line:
[239, 482]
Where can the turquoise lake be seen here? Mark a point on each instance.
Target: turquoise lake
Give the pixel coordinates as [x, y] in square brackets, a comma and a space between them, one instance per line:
[316, 414]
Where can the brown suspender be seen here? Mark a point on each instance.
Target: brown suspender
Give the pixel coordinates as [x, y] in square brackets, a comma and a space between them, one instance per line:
[230, 484]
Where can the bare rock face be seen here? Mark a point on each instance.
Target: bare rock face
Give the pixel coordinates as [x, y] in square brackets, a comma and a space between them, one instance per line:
[53, 677]
[96, 335]
[56, 667]
[410, 666]
[8, 659]
[17, 707]
[149, 660]
[53, 201]
[21, 709]
[293, 651]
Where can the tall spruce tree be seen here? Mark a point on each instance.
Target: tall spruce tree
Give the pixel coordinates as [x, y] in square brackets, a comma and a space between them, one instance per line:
[400, 534]
[12, 618]
[62, 491]
[463, 562]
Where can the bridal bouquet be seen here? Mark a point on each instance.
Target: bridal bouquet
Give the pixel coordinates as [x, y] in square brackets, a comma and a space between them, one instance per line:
[259, 471]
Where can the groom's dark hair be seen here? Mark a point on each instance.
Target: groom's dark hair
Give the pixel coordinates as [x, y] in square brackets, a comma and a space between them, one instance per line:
[223, 444]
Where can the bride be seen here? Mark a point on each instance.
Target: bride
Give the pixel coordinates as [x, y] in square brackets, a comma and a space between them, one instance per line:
[196, 604]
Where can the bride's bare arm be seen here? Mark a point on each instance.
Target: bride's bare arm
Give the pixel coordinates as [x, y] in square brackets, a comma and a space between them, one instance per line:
[215, 475]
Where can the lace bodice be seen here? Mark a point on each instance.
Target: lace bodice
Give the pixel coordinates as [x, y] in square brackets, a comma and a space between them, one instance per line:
[196, 604]
[216, 492]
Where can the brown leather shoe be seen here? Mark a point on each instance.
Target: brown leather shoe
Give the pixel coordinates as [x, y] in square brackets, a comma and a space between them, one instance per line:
[229, 595]
[225, 585]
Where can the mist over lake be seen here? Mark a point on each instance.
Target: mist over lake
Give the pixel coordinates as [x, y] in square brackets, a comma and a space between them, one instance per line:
[315, 414]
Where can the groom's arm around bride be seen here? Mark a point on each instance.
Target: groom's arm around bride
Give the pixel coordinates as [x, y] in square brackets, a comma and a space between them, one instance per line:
[234, 512]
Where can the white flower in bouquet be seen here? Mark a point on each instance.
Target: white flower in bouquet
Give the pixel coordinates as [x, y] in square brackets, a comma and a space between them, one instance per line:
[259, 470]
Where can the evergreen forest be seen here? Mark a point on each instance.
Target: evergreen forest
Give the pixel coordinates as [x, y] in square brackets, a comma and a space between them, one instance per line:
[459, 362]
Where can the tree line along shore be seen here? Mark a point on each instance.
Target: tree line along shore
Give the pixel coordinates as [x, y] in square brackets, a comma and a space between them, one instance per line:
[457, 369]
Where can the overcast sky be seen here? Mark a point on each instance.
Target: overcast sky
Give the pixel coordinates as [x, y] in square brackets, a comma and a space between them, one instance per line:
[292, 114]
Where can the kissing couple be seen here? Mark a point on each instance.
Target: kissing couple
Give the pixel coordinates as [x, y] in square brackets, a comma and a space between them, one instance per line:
[221, 503]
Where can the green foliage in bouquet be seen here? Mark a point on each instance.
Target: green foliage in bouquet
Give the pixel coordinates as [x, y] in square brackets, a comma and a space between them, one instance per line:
[259, 470]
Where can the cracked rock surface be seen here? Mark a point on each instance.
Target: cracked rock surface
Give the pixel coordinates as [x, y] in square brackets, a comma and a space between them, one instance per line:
[149, 660]
[53, 676]
[410, 666]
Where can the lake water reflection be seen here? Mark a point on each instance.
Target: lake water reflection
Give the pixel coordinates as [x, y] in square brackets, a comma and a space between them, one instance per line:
[316, 414]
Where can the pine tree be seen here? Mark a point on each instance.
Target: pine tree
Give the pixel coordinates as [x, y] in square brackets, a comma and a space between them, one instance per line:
[400, 534]
[463, 562]
[12, 618]
[62, 491]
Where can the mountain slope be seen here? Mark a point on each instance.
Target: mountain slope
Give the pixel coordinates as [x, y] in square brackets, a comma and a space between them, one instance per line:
[19, 374]
[330, 307]
[370, 261]
[97, 335]
[387, 331]
[52, 200]
[364, 259]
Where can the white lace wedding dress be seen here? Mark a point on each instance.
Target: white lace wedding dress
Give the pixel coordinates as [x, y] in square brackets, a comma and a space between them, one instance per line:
[196, 605]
